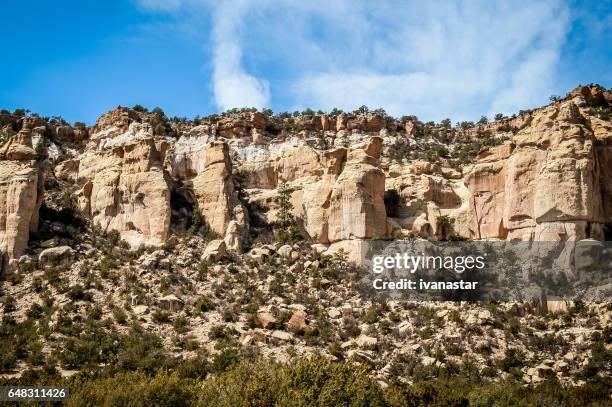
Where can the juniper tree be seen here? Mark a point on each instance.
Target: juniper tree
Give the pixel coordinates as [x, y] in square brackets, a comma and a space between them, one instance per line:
[287, 230]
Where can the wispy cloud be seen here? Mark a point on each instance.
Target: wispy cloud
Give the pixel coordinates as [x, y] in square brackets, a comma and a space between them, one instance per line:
[160, 5]
[233, 87]
[433, 59]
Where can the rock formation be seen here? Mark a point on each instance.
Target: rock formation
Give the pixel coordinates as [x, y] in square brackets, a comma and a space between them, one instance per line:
[123, 184]
[217, 201]
[357, 208]
[21, 194]
[125, 189]
[548, 183]
[137, 172]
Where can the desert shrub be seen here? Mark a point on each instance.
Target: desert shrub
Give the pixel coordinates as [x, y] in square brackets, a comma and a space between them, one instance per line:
[313, 381]
[181, 324]
[120, 315]
[35, 311]
[134, 389]
[445, 228]
[204, 304]
[197, 227]
[222, 361]
[161, 316]
[78, 293]
[238, 380]
[599, 363]
[513, 358]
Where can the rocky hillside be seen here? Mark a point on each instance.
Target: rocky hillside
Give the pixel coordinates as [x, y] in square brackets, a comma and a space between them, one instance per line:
[221, 235]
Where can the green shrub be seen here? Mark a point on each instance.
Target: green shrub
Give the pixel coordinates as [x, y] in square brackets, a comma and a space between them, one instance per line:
[135, 389]
[160, 316]
[313, 381]
[120, 315]
[78, 293]
[204, 304]
[513, 358]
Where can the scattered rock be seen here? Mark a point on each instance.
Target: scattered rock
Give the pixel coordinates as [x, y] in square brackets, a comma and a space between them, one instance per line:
[140, 309]
[285, 250]
[282, 336]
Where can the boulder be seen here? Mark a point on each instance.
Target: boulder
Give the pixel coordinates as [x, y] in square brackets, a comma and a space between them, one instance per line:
[171, 303]
[366, 342]
[214, 251]
[281, 336]
[55, 254]
[265, 320]
[297, 323]
[285, 250]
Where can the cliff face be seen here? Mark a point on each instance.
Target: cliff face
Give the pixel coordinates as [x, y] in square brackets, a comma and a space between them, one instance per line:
[20, 194]
[550, 182]
[125, 188]
[351, 176]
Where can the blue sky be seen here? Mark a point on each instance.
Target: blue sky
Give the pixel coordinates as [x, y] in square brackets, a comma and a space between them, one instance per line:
[79, 59]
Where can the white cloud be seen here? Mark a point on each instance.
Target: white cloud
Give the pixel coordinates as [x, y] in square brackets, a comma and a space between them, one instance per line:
[445, 60]
[233, 87]
[434, 59]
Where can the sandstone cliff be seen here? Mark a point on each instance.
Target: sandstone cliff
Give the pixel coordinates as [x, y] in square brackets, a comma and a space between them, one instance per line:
[199, 204]
[549, 182]
[20, 194]
[541, 175]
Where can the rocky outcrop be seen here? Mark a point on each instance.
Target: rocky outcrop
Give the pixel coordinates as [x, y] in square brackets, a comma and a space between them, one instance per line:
[21, 194]
[19, 147]
[548, 183]
[291, 164]
[357, 208]
[216, 196]
[337, 193]
[426, 191]
[240, 125]
[124, 188]
[137, 171]
[317, 195]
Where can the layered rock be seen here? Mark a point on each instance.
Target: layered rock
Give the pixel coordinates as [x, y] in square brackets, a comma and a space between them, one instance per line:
[21, 194]
[546, 184]
[550, 180]
[357, 207]
[240, 126]
[125, 189]
[128, 174]
[337, 194]
[216, 197]
[19, 147]
[427, 191]
[316, 200]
